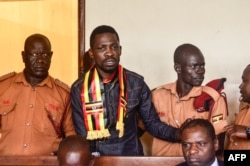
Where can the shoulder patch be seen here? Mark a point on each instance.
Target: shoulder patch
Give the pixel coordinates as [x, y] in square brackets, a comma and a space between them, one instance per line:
[6, 76]
[62, 85]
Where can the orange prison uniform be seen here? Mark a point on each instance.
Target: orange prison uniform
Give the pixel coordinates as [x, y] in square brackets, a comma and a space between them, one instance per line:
[174, 111]
[25, 127]
[243, 118]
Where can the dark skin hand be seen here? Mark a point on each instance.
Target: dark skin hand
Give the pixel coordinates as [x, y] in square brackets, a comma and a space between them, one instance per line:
[235, 131]
[178, 134]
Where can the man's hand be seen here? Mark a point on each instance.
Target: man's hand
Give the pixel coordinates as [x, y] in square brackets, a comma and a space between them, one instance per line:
[235, 131]
[178, 134]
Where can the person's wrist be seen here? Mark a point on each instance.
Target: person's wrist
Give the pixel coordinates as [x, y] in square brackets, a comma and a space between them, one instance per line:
[248, 132]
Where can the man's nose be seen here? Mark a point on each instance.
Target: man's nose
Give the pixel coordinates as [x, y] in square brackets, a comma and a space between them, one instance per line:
[240, 86]
[109, 52]
[193, 149]
[200, 69]
[39, 58]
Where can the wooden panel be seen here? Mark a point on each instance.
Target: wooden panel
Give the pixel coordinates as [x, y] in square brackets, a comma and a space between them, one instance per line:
[28, 161]
[99, 161]
[137, 161]
[81, 35]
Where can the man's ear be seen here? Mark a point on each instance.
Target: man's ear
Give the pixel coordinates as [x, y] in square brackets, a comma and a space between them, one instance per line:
[177, 68]
[120, 50]
[216, 144]
[23, 56]
[90, 51]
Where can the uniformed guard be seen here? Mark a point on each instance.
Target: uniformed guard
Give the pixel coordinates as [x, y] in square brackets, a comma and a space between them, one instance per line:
[35, 113]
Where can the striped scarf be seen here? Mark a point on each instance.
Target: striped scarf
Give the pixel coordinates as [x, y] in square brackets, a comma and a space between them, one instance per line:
[93, 107]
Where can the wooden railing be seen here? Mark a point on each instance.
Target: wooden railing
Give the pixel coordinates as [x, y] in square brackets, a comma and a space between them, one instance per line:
[28, 160]
[138, 161]
[98, 161]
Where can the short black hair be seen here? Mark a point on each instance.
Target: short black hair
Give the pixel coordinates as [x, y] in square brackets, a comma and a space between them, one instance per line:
[35, 37]
[180, 50]
[102, 29]
[202, 123]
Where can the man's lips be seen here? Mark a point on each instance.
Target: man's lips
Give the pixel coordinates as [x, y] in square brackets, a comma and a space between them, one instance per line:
[110, 62]
[194, 159]
[199, 78]
[40, 68]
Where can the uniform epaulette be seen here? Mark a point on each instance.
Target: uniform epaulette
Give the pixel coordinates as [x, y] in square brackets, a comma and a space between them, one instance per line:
[6, 76]
[62, 84]
[160, 87]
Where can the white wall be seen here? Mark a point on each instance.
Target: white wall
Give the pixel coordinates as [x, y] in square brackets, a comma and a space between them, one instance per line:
[150, 30]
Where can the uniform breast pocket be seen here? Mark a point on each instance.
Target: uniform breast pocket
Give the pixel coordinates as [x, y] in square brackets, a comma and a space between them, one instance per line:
[54, 115]
[48, 120]
[7, 116]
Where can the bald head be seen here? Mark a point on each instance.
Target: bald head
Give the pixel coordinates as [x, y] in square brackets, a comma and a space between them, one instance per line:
[74, 151]
[36, 37]
[185, 49]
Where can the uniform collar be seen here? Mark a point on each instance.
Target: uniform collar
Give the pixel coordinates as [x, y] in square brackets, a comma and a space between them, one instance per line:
[244, 105]
[195, 91]
[20, 78]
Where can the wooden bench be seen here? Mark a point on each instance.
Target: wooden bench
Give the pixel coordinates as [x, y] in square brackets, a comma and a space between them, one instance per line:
[99, 161]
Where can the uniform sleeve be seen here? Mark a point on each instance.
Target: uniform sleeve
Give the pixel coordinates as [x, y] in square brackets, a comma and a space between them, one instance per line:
[67, 123]
[76, 105]
[219, 115]
[151, 120]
